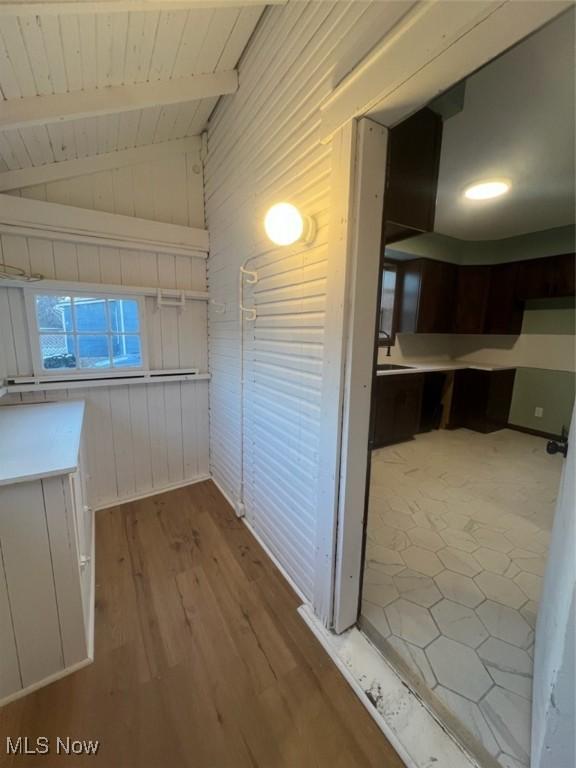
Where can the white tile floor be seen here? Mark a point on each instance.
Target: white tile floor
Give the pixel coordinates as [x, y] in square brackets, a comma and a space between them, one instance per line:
[458, 530]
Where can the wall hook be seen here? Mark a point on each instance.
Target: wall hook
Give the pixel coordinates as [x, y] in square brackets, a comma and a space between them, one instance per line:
[251, 276]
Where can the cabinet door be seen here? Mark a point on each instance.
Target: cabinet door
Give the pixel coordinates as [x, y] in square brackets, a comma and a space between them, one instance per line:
[437, 295]
[412, 176]
[551, 277]
[427, 296]
[27, 563]
[504, 311]
[471, 299]
[469, 399]
[397, 408]
[562, 275]
[65, 538]
[481, 399]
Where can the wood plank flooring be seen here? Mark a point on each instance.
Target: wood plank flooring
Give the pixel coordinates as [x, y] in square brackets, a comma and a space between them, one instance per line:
[201, 658]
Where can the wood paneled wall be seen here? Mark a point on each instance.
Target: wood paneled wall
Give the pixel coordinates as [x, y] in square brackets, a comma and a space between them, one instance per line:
[169, 190]
[262, 149]
[139, 438]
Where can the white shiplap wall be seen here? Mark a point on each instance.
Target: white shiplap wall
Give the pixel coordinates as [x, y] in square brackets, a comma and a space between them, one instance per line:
[262, 148]
[139, 438]
[169, 190]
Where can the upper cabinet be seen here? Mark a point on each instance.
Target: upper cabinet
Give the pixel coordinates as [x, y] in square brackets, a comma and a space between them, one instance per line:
[412, 175]
[427, 296]
[440, 297]
[471, 308]
[504, 310]
[546, 278]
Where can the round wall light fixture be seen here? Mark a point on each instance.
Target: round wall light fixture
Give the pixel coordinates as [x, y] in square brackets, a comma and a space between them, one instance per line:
[486, 190]
[285, 225]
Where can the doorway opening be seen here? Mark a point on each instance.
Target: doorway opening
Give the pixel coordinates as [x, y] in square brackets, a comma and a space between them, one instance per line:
[473, 390]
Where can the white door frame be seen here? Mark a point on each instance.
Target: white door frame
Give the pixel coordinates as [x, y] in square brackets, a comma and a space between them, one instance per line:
[394, 81]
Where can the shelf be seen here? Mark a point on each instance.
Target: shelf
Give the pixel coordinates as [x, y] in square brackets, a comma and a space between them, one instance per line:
[107, 288]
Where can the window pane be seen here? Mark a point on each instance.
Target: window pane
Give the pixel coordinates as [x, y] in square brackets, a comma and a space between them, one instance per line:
[90, 315]
[57, 351]
[53, 313]
[387, 302]
[124, 315]
[93, 351]
[126, 351]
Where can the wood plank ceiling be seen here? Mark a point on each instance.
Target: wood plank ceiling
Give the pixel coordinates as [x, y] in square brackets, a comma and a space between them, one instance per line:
[56, 53]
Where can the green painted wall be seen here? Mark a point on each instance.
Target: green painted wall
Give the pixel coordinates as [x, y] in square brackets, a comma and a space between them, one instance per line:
[550, 316]
[537, 387]
[547, 242]
[551, 390]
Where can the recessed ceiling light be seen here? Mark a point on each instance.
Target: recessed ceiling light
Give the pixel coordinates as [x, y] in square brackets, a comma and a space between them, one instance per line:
[484, 190]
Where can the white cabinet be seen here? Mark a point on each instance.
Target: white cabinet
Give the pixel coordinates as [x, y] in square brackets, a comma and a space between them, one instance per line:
[46, 575]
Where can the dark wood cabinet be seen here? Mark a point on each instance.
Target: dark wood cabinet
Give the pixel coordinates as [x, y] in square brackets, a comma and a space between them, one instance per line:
[472, 291]
[412, 175]
[504, 310]
[547, 278]
[396, 413]
[440, 297]
[433, 395]
[481, 399]
[427, 296]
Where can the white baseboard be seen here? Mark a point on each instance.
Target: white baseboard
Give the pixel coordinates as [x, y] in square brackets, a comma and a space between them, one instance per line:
[224, 493]
[46, 681]
[276, 562]
[264, 546]
[151, 492]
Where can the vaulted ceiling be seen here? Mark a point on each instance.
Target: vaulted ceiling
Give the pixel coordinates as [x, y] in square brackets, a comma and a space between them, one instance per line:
[85, 78]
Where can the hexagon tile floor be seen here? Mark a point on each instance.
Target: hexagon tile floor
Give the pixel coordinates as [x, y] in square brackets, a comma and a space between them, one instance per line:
[458, 530]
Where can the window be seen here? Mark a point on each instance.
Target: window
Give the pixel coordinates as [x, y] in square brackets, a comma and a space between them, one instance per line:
[82, 333]
[387, 319]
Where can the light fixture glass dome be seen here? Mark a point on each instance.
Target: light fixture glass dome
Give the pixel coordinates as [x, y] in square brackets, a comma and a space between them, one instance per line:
[485, 190]
[284, 224]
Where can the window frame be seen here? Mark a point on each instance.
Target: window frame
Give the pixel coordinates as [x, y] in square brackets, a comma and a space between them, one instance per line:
[397, 266]
[34, 334]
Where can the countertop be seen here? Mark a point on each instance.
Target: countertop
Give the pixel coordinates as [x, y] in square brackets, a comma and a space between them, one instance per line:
[453, 365]
[40, 440]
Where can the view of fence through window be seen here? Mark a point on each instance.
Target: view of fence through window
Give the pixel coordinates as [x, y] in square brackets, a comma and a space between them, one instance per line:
[81, 332]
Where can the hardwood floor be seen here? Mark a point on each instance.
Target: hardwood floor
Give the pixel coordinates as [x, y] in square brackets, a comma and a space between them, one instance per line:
[201, 658]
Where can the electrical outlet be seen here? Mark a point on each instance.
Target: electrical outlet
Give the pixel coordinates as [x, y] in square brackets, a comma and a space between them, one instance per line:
[538, 412]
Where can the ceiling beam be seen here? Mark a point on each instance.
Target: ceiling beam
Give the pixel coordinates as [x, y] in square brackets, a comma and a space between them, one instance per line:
[51, 7]
[38, 110]
[67, 169]
[54, 221]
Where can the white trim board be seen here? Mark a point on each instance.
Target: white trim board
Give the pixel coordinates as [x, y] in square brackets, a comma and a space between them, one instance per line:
[341, 201]
[57, 7]
[151, 492]
[418, 738]
[264, 546]
[363, 264]
[77, 105]
[37, 286]
[434, 45]
[46, 681]
[36, 218]
[111, 381]
[66, 169]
